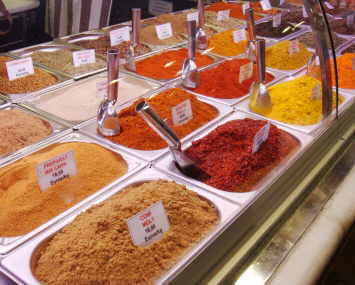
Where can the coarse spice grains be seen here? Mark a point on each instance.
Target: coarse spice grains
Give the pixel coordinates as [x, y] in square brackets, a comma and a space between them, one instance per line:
[225, 154]
[228, 24]
[136, 134]
[223, 44]
[25, 207]
[33, 82]
[265, 29]
[236, 10]
[149, 37]
[96, 248]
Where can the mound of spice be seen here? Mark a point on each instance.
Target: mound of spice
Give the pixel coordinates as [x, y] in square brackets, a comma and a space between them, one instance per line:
[258, 9]
[225, 154]
[223, 44]
[167, 64]
[19, 129]
[278, 56]
[265, 29]
[136, 134]
[150, 37]
[236, 10]
[40, 79]
[63, 60]
[339, 26]
[228, 24]
[294, 16]
[308, 41]
[25, 207]
[294, 101]
[96, 248]
[222, 81]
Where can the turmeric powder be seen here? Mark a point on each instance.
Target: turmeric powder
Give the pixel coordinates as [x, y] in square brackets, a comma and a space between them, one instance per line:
[223, 44]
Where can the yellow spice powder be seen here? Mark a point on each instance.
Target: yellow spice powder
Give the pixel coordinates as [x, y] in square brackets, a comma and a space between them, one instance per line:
[278, 57]
[293, 103]
[223, 44]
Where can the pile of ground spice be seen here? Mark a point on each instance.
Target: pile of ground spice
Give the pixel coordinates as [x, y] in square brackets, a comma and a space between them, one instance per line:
[228, 24]
[339, 26]
[294, 16]
[19, 129]
[225, 154]
[278, 57]
[222, 81]
[258, 9]
[265, 29]
[96, 248]
[150, 37]
[136, 134]
[63, 60]
[236, 10]
[293, 102]
[223, 44]
[167, 64]
[308, 40]
[38, 80]
[25, 207]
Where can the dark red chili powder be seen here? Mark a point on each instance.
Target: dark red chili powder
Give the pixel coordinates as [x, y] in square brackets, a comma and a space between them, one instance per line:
[225, 154]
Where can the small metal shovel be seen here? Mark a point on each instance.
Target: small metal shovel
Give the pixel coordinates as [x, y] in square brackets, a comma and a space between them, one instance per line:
[201, 36]
[182, 162]
[135, 39]
[252, 34]
[260, 101]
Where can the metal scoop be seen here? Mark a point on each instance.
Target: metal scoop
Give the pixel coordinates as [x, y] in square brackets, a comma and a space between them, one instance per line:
[108, 124]
[252, 34]
[135, 39]
[201, 36]
[182, 162]
[260, 101]
[190, 77]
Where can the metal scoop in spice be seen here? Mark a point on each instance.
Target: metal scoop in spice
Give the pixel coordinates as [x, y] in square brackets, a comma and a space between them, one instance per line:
[260, 101]
[190, 77]
[136, 27]
[108, 124]
[252, 34]
[182, 162]
[201, 37]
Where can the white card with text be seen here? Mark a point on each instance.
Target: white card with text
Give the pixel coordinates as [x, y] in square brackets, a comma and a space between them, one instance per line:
[19, 68]
[164, 31]
[182, 113]
[260, 137]
[82, 57]
[120, 35]
[246, 72]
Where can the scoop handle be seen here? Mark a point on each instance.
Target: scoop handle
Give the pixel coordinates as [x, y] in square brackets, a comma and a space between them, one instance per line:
[136, 25]
[260, 60]
[191, 31]
[251, 24]
[201, 13]
[112, 74]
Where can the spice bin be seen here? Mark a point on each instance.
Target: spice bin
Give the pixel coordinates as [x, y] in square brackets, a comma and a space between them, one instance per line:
[20, 264]
[133, 165]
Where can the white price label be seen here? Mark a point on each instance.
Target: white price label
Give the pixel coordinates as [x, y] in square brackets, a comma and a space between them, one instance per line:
[245, 7]
[164, 31]
[120, 35]
[342, 4]
[56, 169]
[265, 5]
[182, 113]
[350, 20]
[101, 90]
[223, 15]
[245, 72]
[192, 17]
[316, 92]
[19, 68]
[260, 137]
[276, 20]
[239, 36]
[304, 12]
[329, 6]
[148, 225]
[293, 47]
[82, 57]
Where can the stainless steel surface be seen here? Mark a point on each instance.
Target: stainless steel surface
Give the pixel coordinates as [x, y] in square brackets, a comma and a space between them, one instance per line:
[165, 164]
[72, 39]
[18, 264]
[91, 127]
[201, 37]
[134, 165]
[136, 26]
[252, 34]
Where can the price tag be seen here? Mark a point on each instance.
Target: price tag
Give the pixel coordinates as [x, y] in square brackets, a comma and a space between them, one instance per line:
[260, 137]
[276, 20]
[157, 7]
[316, 92]
[19, 68]
[245, 72]
[223, 15]
[304, 12]
[329, 6]
[192, 17]
[245, 7]
[265, 5]
[239, 35]
[342, 4]
[120, 35]
[164, 31]
[101, 90]
[148, 225]
[56, 169]
[82, 57]
[350, 20]
[182, 113]
[293, 47]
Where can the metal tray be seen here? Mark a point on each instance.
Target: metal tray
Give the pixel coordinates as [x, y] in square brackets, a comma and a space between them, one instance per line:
[310, 129]
[62, 81]
[72, 39]
[164, 81]
[166, 164]
[3, 102]
[151, 155]
[54, 47]
[134, 165]
[20, 264]
[34, 104]
[57, 130]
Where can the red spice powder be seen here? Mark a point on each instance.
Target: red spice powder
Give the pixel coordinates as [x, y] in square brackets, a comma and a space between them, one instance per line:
[155, 66]
[222, 81]
[236, 10]
[225, 154]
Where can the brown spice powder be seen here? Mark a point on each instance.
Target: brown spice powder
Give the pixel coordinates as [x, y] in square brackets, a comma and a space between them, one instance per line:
[96, 248]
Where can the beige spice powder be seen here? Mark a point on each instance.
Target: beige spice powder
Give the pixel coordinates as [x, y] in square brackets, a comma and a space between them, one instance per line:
[96, 248]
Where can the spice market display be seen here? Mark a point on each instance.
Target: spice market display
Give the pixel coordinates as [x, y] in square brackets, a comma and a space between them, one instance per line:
[93, 191]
